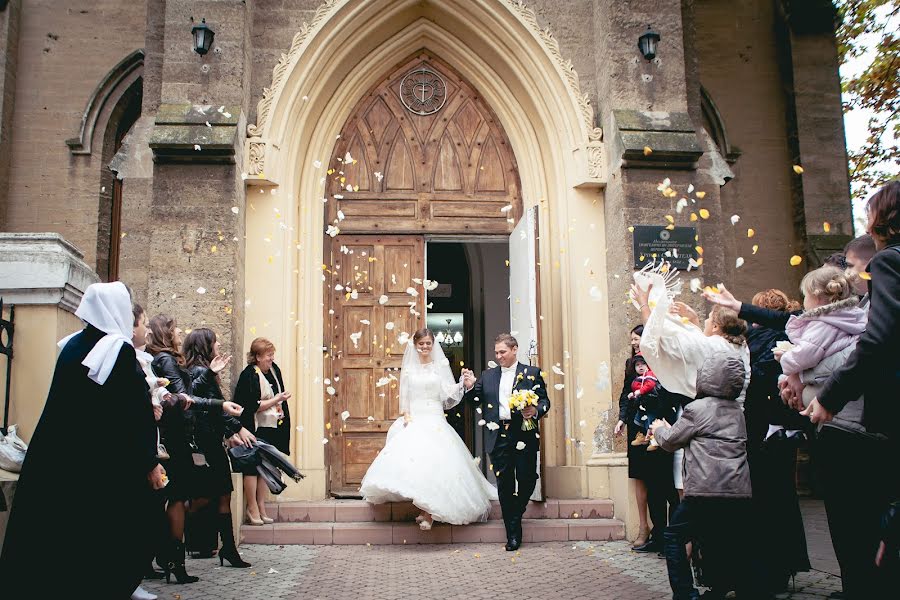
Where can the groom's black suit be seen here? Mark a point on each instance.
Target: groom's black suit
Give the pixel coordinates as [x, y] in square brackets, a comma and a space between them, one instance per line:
[508, 463]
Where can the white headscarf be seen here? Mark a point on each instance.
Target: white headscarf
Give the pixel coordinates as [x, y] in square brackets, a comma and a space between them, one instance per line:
[106, 306]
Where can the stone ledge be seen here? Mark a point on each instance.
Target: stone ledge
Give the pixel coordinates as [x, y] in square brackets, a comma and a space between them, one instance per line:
[42, 269]
[671, 137]
[192, 133]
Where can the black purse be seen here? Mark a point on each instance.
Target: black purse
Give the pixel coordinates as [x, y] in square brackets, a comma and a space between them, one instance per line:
[244, 460]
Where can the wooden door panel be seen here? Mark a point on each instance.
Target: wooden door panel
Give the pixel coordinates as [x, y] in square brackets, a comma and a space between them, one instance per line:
[367, 292]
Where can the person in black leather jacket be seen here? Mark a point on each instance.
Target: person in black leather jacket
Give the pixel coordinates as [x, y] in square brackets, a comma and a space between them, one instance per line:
[204, 362]
[178, 434]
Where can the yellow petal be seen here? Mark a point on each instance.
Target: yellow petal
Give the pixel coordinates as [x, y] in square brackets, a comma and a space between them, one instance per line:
[701, 195]
[630, 230]
[704, 213]
[700, 261]
[648, 150]
[826, 226]
[796, 260]
[693, 217]
[755, 248]
[213, 249]
[751, 233]
[670, 218]
[865, 276]
[699, 250]
[798, 169]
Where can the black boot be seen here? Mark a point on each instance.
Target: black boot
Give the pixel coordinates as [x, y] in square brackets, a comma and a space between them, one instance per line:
[514, 537]
[175, 564]
[654, 543]
[229, 551]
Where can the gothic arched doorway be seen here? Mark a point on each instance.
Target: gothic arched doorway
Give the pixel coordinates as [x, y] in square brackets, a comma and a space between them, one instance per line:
[422, 157]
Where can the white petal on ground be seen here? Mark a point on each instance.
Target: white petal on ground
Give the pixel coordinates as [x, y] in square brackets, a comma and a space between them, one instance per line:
[739, 262]
[680, 206]
[201, 290]
[235, 209]
[735, 219]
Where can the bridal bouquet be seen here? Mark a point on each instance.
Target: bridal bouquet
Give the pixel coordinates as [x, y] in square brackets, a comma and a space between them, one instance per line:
[519, 400]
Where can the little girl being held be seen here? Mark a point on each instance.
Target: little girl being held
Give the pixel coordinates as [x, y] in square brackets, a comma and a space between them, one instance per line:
[831, 322]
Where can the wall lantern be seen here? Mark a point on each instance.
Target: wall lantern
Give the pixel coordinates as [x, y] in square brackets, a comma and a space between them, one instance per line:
[647, 43]
[203, 37]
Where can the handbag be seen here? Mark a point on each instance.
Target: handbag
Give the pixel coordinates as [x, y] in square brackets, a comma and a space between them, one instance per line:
[244, 460]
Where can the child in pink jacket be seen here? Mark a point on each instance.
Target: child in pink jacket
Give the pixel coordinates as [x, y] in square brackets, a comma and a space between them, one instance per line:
[832, 321]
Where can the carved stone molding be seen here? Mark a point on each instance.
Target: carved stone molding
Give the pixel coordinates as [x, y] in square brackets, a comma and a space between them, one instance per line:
[110, 88]
[593, 135]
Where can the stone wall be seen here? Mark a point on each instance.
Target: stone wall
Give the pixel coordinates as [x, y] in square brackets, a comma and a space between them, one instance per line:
[63, 54]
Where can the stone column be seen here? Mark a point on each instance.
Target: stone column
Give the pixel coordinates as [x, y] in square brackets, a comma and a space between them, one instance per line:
[195, 262]
[44, 277]
[651, 125]
[819, 129]
[9, 62]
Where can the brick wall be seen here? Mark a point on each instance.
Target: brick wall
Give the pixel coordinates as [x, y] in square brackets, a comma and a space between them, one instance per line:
[65, 49]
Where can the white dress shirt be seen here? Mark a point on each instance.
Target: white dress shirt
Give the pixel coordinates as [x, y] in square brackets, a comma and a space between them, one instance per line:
[507, 382]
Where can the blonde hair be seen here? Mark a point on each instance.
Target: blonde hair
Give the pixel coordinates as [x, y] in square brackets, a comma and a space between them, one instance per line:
[829, 284]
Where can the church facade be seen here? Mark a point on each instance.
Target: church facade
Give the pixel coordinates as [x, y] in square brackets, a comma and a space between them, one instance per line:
[291, 182]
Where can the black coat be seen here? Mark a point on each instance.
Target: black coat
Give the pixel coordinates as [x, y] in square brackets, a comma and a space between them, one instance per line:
[210, 428]
[874, 366]
[487, 392]
[627, 406]
[83, 497]
[247, 393]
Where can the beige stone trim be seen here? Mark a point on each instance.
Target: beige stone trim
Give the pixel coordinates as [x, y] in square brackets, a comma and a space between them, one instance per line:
[488, 44]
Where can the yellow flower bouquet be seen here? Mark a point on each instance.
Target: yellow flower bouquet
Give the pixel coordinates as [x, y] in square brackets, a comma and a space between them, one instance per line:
[521, 399]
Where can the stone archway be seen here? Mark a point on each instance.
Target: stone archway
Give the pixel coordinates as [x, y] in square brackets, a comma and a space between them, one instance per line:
[515, 65]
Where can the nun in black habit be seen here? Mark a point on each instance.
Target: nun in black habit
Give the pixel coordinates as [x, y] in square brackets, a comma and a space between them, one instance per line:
[84, 498]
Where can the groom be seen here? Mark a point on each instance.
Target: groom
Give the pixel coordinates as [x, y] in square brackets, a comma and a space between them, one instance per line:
[513, 452]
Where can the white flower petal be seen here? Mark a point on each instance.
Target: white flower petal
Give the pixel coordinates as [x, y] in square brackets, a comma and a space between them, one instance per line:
[345, 415]
[520, 445]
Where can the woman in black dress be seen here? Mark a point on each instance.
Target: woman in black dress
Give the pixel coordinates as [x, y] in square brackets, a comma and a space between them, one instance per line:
[204, 363]
[260, 391]
[627, 409]
[177, 428]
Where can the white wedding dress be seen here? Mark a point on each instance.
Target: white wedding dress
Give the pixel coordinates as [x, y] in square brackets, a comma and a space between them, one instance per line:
[425, 461]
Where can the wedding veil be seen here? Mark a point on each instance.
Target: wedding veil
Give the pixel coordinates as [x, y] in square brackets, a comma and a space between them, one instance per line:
[411, 366]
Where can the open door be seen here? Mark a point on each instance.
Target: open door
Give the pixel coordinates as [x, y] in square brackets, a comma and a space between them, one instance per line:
[524, 302]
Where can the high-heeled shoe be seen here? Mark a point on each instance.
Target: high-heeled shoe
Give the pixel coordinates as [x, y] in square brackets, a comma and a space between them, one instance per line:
[425, 525]
[229, 551]
[643, 536]
[254, 522]
[175, 565]
[267, 520]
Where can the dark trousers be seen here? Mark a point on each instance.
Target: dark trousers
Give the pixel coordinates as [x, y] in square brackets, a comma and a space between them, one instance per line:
[662, 497]
[856, 485]
[720, 527]
[511, 465]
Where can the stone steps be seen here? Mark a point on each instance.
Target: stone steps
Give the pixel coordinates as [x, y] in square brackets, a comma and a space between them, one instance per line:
[379, 533]
[358, 522]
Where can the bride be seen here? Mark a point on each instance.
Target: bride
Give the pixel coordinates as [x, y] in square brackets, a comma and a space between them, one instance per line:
[424, 460]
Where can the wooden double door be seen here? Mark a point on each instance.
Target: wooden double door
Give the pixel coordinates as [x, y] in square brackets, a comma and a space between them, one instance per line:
[370, 307]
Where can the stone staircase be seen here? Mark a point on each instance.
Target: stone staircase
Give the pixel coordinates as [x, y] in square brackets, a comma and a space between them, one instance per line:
[358, 522]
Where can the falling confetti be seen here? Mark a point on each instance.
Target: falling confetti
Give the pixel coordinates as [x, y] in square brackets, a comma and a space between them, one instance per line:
[648, 150]
[345, 415]
[735, 219]
[798, 169]
[796, 260]
[826, 226]
[704, 214]
[755, 248]
[520, 445]
[197, 147]
[595, 293]
[751, 232]
[696, 285]
[701, 195]
[739, 262]
[865, 276]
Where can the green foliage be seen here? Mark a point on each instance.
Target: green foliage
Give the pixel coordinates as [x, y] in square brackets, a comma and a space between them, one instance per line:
[869, 28]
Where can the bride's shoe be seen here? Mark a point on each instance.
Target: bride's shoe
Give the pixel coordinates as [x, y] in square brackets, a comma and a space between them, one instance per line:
[425, 525]
[420, 518]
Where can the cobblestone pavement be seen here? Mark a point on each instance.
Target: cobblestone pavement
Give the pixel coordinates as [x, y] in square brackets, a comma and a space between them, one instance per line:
[571, 571]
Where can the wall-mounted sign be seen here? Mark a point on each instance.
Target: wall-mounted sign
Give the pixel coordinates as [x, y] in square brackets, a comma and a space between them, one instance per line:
[655, 241]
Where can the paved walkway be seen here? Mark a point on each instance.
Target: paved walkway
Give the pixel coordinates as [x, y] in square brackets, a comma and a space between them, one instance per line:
[571, 571]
